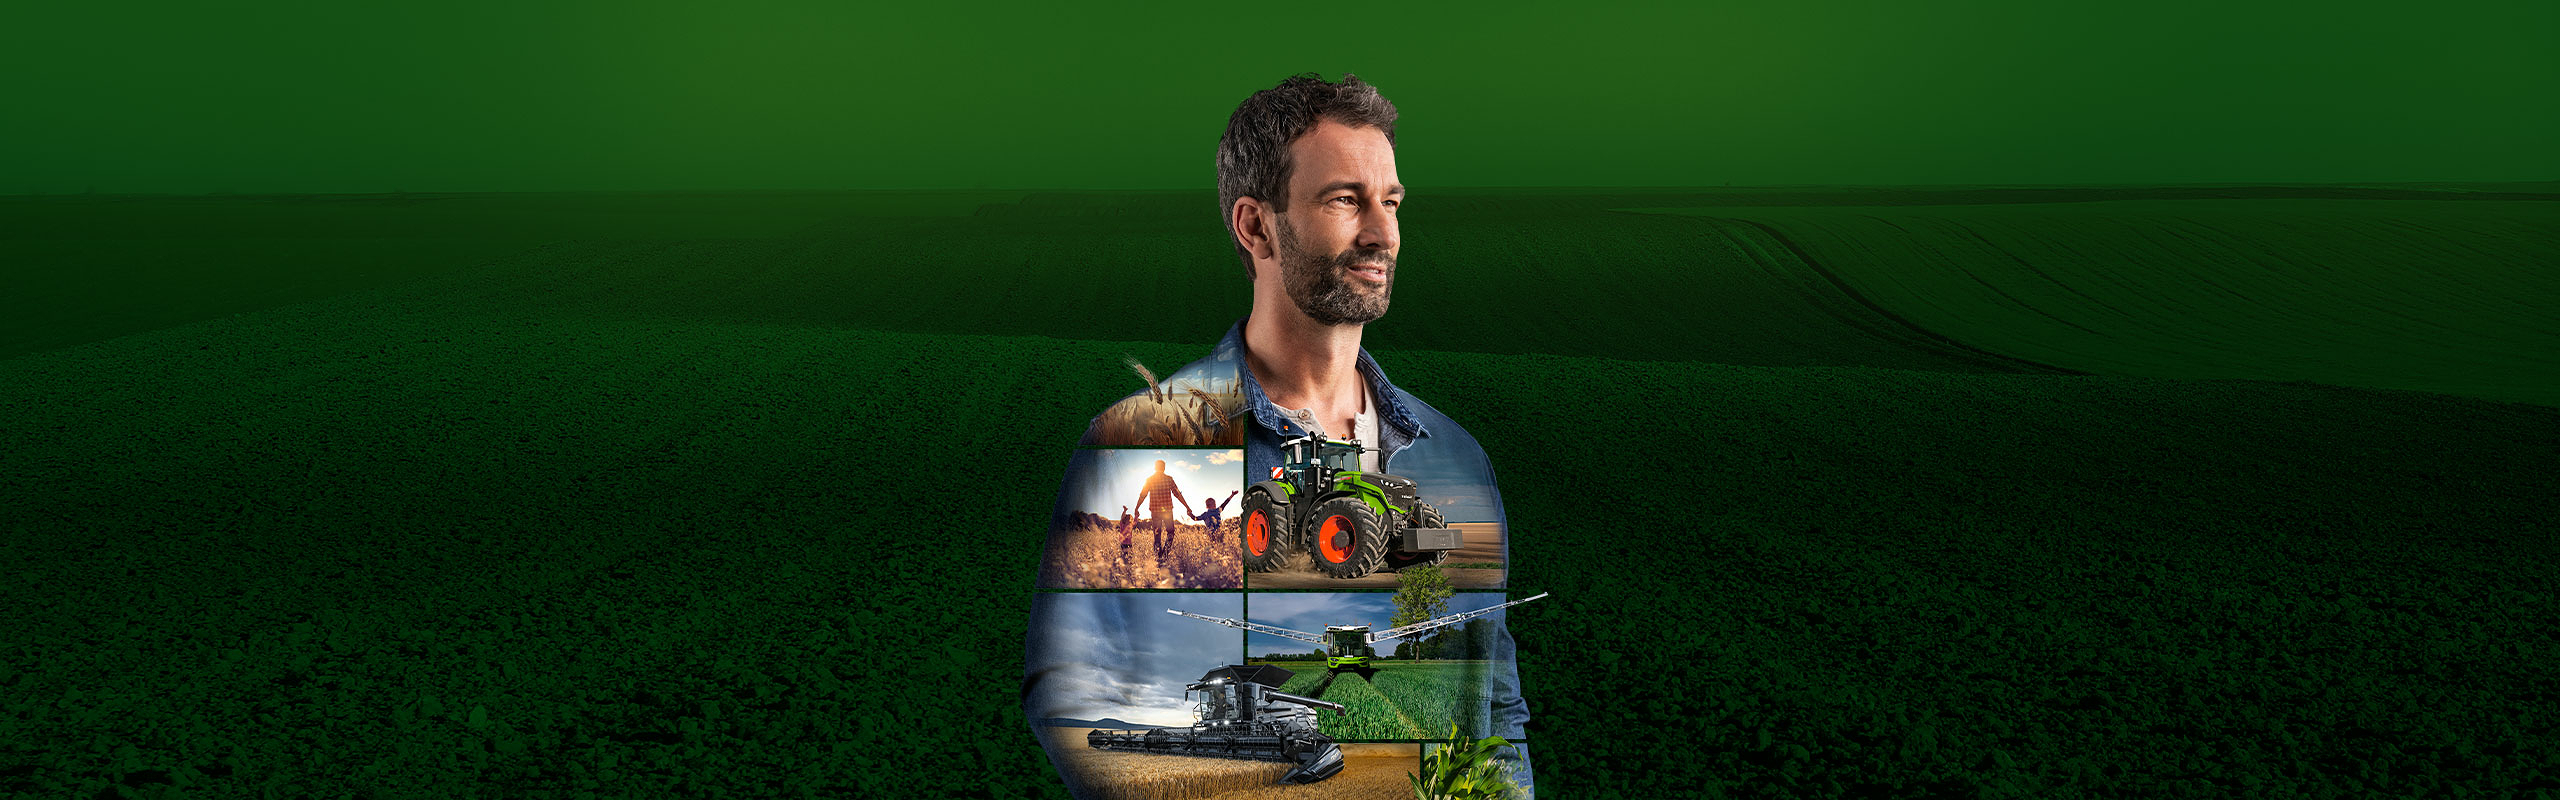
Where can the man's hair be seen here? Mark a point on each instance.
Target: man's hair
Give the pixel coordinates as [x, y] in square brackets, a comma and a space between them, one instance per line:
[1253, 156]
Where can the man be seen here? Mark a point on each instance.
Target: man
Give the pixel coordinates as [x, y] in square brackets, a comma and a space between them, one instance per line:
[1308, 190]
[1308, 186]
[1159, 495]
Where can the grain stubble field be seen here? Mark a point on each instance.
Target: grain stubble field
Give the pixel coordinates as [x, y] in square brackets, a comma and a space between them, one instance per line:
[1369, 772]
[600, 517]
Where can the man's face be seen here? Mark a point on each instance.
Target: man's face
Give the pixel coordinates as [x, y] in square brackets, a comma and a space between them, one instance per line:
[1337, 242]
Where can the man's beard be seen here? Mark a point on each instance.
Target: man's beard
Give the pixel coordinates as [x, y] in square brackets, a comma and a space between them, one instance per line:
[1316, 282]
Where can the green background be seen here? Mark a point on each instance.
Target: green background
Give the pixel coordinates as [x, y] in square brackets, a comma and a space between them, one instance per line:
[481, 96]
[368, 436]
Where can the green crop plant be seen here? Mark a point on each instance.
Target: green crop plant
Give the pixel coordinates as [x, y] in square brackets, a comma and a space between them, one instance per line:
[1464, 769]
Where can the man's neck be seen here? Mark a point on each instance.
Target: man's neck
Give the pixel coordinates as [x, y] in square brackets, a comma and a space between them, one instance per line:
[1303, 364]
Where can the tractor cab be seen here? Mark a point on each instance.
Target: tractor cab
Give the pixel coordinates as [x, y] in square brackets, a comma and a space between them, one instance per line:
[1344, 456]
[1217, 701]
[1350, 646]
[1327, 455]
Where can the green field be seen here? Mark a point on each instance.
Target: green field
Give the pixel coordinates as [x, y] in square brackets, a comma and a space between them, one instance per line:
[1406, 700]
[743, 494]
[2434, 295]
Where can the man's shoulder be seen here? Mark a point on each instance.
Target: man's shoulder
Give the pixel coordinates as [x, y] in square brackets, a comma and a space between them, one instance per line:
[1422, 411]
[1435, 425]
[1199, 405]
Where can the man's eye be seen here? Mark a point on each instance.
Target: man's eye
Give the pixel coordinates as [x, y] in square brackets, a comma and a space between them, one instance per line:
[1346, 199]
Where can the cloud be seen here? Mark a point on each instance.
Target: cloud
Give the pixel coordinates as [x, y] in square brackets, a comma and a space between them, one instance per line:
[1226, 457]
[1084, 691]
[1187, 465]
[1120, 655]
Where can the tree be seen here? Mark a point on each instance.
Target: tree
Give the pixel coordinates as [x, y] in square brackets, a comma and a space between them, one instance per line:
[1422, 593]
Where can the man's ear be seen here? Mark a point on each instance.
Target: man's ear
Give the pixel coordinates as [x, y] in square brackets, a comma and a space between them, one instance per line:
[1253, 225]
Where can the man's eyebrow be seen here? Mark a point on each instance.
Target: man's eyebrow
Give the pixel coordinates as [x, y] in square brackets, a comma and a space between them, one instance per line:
[1356, 186]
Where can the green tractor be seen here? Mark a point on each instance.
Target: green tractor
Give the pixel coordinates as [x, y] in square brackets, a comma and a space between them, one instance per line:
[1349, 522]
[1350, 650]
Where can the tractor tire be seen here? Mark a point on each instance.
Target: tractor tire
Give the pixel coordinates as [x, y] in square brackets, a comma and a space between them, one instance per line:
[1269, 543]
[1428, 517]
[1345, 538]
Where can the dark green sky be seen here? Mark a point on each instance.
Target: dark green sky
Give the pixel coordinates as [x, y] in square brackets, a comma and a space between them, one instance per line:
[341, 97]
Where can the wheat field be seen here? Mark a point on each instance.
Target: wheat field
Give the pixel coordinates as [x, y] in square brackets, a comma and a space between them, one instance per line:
[1369, 772]
[1186, 417]
[1089, 557]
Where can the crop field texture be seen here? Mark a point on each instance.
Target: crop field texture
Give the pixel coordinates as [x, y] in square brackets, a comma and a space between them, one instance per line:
[1406, 700]
[757, 512]
[1088, 557]
[90, 268]
[1121, 775]
[1369, 772]
[2444, 296]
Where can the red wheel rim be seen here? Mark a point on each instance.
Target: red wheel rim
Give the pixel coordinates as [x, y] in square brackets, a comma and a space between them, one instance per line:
[1257, 532]
[1334, 539]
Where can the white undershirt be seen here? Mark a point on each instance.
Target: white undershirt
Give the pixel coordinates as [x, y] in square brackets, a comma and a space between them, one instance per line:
[1364, 425]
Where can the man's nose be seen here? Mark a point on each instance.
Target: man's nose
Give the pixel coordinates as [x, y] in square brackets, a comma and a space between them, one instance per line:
[1378, 228]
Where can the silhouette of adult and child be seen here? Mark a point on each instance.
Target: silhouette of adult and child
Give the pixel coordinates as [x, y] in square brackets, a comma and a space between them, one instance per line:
[1158, 495]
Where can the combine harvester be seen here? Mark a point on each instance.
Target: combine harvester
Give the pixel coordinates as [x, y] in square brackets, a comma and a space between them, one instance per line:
[1243, 714]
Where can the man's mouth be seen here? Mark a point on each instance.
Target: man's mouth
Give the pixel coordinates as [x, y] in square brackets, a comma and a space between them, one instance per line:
[1371, 272]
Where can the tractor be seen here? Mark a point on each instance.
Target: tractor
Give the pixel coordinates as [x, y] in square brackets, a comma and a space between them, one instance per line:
[1348, 522]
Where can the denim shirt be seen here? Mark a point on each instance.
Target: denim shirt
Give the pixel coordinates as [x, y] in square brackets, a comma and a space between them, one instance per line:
[1398, 427]
[1406, 427]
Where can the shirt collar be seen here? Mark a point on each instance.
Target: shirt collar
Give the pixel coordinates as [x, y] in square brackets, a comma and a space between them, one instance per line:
[1390, 408]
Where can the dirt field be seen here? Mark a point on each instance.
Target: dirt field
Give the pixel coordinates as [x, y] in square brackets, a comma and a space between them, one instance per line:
[1368, 771]
[1484, 546]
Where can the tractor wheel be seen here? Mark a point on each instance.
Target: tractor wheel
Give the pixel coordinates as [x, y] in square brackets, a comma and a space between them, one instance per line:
[1268, 544]
[1345, 538]
[1428, 517]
